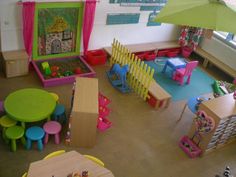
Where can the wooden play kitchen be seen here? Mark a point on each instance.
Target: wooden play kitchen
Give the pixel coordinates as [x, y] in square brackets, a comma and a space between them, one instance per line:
[84, 115]
[66, 164]
[223, 112]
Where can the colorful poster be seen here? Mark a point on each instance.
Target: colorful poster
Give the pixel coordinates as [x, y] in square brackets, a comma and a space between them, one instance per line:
[144, 5]
[122, 18]
[138, 2]
[57, 29]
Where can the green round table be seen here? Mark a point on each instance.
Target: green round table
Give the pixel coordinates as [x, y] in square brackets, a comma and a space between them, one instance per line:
[29, 105]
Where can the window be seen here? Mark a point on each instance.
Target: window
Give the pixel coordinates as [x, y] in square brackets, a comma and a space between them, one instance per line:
[227, 38]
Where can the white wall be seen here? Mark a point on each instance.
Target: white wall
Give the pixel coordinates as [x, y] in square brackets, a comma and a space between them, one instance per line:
[10, 23]
[102, 35]
[218, 49]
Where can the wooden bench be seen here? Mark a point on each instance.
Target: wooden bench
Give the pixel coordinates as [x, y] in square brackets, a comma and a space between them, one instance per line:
[158, 97]
[213, 60]
[147, 46]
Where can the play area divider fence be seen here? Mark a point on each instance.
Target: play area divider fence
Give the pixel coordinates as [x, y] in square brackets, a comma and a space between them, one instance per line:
[139, 75]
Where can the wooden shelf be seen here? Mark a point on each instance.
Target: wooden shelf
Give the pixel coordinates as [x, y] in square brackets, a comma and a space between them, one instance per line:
[223, 111]
[147, 46]
[210, 58]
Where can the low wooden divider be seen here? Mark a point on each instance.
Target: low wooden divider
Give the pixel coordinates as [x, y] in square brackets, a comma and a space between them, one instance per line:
[140, 76]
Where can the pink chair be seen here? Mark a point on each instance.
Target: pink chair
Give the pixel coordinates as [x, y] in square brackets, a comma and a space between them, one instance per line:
[187, 71]
[52, 128]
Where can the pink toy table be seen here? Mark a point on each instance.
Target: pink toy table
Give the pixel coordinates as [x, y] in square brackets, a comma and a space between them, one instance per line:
[52, 128]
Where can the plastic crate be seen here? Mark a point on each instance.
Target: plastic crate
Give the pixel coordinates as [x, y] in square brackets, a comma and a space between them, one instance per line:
[189, 147]
[140, 55]
[172, 53]
[150, 56]
[103, 124]
[162, 53]
[96, 57]
[103, 111]
[103, 100]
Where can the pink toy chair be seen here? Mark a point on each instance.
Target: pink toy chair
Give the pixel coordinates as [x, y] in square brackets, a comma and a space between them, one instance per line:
[52, 128]
[187, 71]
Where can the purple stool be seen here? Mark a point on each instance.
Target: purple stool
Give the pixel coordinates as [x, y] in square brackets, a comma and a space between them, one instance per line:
[52, 128]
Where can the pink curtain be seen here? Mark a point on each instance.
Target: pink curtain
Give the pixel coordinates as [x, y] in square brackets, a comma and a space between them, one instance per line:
[28, 26]
[89, 13]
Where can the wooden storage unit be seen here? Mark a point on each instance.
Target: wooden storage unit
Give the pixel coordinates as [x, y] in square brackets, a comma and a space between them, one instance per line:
[223, 111]
[15, 63]
[83, 121]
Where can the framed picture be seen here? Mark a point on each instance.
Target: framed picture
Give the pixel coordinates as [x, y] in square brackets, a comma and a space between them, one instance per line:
[57, 29]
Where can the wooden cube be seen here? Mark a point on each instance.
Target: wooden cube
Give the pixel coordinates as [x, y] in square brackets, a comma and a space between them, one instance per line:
[84, 113]
[15, 63]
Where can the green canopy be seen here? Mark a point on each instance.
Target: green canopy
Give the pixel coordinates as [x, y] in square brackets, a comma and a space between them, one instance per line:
[217, 15]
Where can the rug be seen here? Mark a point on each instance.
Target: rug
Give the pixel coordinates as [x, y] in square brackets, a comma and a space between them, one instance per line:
[200, 81]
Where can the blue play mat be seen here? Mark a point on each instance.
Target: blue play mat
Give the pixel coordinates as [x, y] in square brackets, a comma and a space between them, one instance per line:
[200, 81]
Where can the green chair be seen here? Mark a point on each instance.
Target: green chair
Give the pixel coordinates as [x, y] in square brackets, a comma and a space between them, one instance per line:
[14, 133]
[6, 122]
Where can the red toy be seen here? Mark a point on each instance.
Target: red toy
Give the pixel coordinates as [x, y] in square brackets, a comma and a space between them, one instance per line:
[54, 68]
[54, 74]
[77, 71]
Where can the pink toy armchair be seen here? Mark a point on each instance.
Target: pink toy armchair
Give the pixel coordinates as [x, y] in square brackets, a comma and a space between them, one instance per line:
[180, 74]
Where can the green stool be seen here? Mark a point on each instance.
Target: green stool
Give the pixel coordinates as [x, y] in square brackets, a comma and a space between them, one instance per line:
[6, 122]
[14, 133]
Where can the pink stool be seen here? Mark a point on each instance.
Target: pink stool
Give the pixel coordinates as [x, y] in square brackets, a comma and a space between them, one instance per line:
[52, 128]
